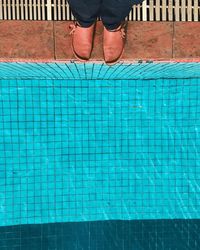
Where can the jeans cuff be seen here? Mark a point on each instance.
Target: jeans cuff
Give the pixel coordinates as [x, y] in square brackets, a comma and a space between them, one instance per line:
[85, 24]
[111, 27]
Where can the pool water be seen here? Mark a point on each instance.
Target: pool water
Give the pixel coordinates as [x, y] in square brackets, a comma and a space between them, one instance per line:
[100, 148]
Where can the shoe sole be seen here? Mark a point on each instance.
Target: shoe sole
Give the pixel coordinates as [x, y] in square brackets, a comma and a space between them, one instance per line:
[118, 59]
[77, 57]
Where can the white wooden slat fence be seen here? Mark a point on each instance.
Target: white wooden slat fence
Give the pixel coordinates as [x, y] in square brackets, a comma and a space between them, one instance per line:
[149, 10]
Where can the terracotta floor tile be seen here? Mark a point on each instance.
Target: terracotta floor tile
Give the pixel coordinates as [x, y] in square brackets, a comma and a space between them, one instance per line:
[149, 40]
[186, 40]
[63, 48]
[97, 53]
[26, 39]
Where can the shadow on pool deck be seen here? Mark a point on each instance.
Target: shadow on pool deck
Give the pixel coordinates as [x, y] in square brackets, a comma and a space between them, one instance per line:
[50, 41]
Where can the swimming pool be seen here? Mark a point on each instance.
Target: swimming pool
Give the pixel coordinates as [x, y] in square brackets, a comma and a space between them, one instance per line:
[88, 142]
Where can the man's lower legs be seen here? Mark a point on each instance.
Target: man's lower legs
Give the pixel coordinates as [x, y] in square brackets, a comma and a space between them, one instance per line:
[85, 11]
[113, 12]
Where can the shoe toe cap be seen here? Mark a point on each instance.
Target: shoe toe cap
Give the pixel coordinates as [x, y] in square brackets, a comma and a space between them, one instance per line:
[111, 54]
[83, 52]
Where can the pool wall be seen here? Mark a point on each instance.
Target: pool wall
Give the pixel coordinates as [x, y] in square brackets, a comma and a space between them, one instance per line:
[99, 148]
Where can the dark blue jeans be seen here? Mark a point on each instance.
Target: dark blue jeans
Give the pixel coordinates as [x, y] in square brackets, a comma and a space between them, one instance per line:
[112, 12]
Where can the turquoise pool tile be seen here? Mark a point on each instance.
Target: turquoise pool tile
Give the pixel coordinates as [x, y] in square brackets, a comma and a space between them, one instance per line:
[70, 148]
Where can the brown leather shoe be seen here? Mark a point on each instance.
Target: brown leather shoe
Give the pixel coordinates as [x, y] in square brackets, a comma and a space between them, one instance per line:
[82, 40]
[113, 44]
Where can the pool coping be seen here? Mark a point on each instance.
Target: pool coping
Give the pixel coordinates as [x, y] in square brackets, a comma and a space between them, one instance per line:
[146, 42]
[143, 60]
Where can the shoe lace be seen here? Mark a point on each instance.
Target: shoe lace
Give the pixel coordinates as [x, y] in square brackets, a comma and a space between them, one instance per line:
[73, 27]
[123, 33]
[121, 28]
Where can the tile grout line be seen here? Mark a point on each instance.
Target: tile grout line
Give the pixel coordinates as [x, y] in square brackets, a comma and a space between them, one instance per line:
[173, 38]
[54, 42]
